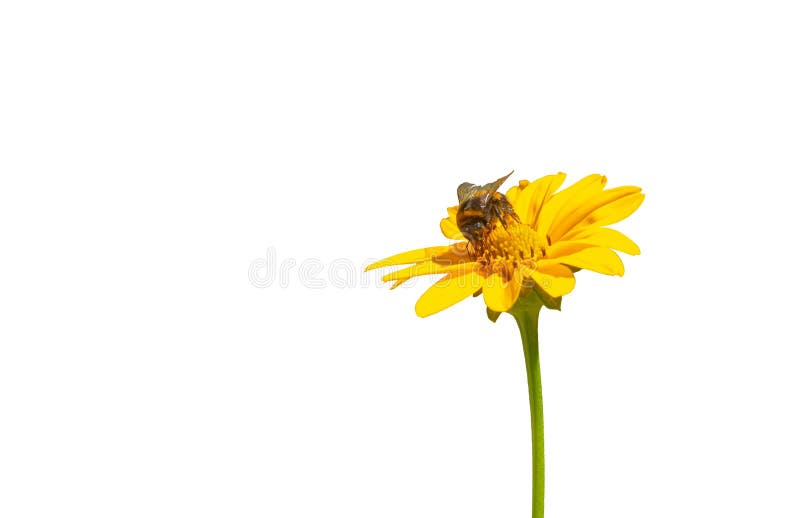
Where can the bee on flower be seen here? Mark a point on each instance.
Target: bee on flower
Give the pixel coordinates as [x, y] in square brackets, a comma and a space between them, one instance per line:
[532, 238]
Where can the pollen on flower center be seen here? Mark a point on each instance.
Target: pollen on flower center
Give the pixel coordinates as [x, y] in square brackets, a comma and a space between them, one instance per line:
[507, 246]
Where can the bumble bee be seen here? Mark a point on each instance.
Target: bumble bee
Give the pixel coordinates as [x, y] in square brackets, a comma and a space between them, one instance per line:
[480, 208]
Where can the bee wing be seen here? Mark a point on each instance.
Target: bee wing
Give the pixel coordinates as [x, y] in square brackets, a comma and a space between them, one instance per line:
[467, 190]
[492, 187]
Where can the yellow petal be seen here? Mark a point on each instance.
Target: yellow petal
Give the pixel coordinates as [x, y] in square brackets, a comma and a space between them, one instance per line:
[447, 291]
[456, 253]
[555, 279]
[513, 193]
[449, 225]
[607, 237]
[573, 214]
[412, 256]
[612, 212]
[597, 259]
[564, 248]
[427, 268]
[450, 229]
[498, 294]
[564, 202]
[529, 199]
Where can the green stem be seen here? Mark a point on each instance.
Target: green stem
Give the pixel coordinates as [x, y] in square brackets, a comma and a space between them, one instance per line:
[527, 316]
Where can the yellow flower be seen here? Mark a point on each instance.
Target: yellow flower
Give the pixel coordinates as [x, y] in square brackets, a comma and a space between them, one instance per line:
[551, 235]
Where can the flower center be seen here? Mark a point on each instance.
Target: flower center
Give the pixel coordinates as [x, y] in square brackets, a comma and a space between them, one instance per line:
[508, 245]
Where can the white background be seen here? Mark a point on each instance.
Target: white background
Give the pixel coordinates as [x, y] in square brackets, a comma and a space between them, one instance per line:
[150, 152]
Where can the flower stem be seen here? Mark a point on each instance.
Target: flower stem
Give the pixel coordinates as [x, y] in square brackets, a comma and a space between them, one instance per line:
[527, 316]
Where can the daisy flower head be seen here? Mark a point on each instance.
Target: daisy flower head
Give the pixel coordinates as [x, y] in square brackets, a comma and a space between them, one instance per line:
[532, 239]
